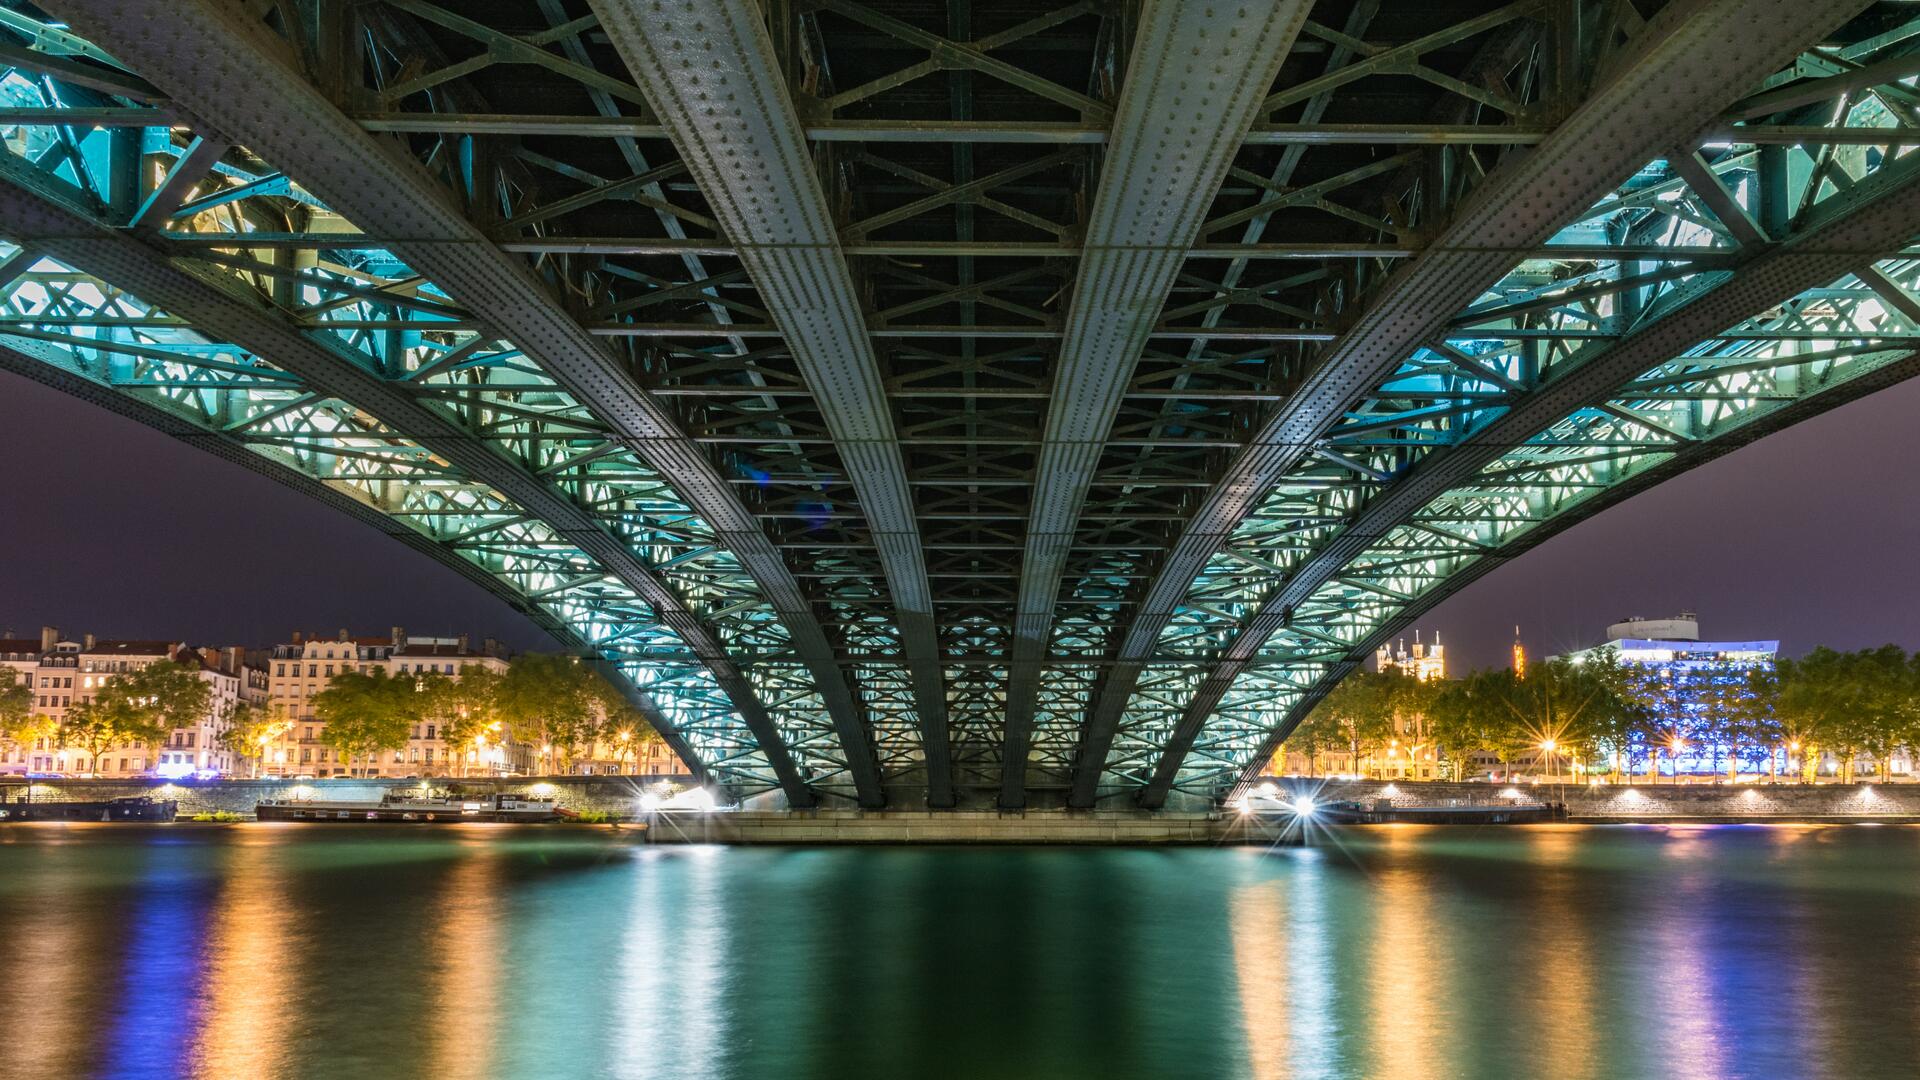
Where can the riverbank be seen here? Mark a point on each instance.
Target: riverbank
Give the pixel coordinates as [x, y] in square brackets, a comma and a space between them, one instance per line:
[1703, 803]
[619, 797]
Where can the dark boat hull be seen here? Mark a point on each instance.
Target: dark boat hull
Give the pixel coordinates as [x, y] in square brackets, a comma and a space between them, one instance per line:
[109, 810]
[317, 813]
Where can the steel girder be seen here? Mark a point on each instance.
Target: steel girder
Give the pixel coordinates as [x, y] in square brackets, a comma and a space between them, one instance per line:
[61, 370]
[1195, 80]
[34, 213]
[1879, 213]
[252, 93]
[1891, 368]
[184, 385]
[1691, 61]
[958, 148]
[710, 68]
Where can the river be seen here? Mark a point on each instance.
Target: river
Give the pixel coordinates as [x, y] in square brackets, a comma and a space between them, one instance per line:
[257, 951]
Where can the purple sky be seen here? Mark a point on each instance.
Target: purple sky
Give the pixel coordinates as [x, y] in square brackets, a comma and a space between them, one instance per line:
[1811, 536]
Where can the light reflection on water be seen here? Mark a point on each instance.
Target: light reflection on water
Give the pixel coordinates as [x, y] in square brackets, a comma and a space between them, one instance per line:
[1401, 952]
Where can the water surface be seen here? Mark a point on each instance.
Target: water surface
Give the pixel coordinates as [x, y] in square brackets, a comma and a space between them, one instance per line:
[472, 951]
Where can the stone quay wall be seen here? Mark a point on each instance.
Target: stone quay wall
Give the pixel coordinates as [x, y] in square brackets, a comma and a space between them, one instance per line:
[1644, 802]
[619, 795]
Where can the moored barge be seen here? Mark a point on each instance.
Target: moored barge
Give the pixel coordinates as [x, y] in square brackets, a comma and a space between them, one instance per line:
[130, 808]
[1385, 812]
[415, 810]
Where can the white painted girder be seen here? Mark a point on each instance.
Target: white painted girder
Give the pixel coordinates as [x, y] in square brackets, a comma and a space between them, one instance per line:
[1193, 87]
[1692, 60]
[220, 66]
[709, 68]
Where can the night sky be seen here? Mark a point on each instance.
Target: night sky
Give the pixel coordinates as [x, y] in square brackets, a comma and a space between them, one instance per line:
[1811, 536]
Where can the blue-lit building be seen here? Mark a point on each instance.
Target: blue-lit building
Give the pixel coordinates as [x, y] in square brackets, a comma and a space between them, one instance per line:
[1672, 648]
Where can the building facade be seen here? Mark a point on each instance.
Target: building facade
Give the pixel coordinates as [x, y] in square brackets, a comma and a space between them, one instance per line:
[63, 672]
[301, 668]
[1423, 661]
[1671, 650]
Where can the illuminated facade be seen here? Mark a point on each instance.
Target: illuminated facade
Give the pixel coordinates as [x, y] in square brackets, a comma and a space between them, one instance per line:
[1423, 662]
[1691, 668]
[303, 667]
[63, 673]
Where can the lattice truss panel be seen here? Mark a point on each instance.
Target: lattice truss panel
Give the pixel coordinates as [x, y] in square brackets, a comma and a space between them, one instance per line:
[486, 214]
[311, 267]
[1531, 400]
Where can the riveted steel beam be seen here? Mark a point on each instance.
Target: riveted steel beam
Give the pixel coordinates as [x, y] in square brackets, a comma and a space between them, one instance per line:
[33, 211]
[1195, 82]
[250, 94]
[1688, 64]
[1690, 456]
[1881, 212]
[710, 70]
[43, 367]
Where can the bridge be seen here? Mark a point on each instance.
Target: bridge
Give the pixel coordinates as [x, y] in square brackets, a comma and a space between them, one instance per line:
[926, 404]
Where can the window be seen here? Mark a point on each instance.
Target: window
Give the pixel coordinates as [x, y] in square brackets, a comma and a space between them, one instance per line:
[313, 671]
[429, 731]
[306, 755]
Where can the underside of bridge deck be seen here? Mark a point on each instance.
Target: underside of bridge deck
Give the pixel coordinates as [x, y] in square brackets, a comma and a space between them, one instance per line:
[928, 403]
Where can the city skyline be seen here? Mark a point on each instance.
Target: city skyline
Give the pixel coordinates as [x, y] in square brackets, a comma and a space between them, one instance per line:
[319, 568]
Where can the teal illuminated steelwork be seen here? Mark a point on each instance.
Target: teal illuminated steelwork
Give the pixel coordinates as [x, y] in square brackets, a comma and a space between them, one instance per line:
[553, 350]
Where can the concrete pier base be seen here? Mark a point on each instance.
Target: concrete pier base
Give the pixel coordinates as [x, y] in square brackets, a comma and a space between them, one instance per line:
[948, 827]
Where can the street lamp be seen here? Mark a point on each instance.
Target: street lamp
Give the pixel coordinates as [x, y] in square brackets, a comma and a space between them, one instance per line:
[1674, 746]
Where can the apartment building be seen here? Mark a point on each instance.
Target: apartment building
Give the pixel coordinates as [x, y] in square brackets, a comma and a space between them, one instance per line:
[301, 668]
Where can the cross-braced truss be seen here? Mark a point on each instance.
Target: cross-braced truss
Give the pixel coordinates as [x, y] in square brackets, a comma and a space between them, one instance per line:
[964, 400]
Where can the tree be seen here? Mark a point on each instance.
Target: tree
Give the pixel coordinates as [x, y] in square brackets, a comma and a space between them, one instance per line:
[1847, 704]
[624, 730]
[1356, 715]
[91, 728]
[1409, 704]
[247, 731]
[1731, 714]
[1624, 725]
[138, 708]
[1467, 717]
[466, 709]
[366, 712]
[19, 727]
[552, 701]
[1310, 738]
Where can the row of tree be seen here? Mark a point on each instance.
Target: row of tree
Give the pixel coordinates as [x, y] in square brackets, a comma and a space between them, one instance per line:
[553, 703]
[140, 708]
[1607, 717]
